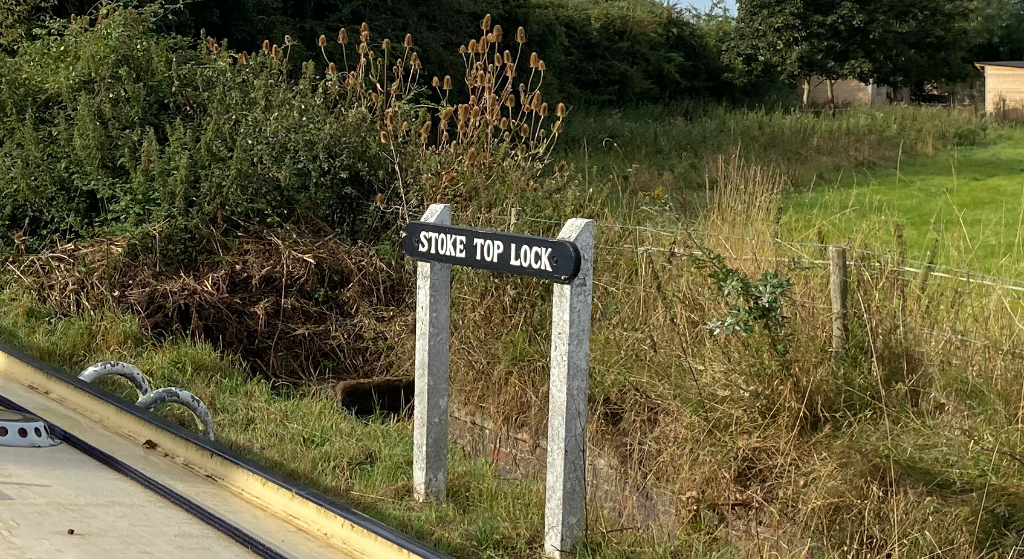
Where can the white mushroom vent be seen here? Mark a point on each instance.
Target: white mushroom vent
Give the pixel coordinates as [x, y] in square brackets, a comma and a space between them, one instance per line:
[22, 429]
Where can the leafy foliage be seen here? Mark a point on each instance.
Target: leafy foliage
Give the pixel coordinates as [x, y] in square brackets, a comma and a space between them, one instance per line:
[129, 129]
[753, 305]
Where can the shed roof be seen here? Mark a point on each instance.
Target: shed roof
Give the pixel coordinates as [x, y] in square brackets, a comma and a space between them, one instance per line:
[1004, 64]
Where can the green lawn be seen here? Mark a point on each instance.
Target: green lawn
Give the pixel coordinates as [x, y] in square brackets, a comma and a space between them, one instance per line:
[967, 204]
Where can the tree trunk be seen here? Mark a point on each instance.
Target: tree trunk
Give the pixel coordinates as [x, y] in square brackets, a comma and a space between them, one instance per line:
[807, 91]
[831, 96]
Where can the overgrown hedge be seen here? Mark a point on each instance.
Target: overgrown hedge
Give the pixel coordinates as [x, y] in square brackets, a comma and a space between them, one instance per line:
[608, 52]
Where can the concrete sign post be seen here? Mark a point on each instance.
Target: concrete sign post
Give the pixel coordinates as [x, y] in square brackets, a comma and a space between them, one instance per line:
[568, 262]
[565, 510]
[430, 408]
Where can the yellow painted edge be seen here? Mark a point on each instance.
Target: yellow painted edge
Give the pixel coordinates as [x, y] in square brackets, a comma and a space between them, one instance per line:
[279, 501]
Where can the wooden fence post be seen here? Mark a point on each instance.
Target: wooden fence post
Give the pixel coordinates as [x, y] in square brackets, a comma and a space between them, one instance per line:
[837, 288]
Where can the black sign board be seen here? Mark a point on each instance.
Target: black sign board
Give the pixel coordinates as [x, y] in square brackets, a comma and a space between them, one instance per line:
[549, 259]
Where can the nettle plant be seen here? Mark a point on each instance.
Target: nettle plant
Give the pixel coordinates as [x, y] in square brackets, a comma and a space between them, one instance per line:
[752, 305]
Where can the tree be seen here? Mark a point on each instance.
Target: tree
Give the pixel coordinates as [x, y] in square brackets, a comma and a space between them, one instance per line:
[913, 43]
[800, 40]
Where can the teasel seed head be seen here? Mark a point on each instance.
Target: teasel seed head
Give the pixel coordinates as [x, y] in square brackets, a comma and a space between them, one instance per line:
[560, 111]
[389, 119]
[561, 168]
[362, 48]
[374, 97]
[543, 109]
[287, 40]
[521, 152]
[364, 36]
[504, 123]
[534, 60]
[386, 45]
[497, 33]
[425, 131]
[266, 47]
[524, 130]
[446, 114]
[522, 89]
[447, 83]
[364, 28]
[536, 102]
[497, 60]
[472, 45]
[462, 49]
[405, 127]
[508, 57]
[270, 84]
[521, 36]
[557, 128]
[244, 58]
[510, 70]
[435, 82]
[542, 66]
[332, 69]
[510, 101]
[342, 36]
[543, 134]
[471, 156]
[486, 25]
[384, 138]
[274, 51]
[322, 41]
[507, 136]
[408, 40]
[444, 138]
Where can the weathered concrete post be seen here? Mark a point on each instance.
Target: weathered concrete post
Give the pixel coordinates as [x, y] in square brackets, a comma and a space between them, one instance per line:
[430, 421]
[566, 503]
[837, 289]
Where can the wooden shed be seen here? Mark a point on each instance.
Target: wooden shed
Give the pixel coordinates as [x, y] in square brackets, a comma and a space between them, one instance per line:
[853, 92]
[1004, 87]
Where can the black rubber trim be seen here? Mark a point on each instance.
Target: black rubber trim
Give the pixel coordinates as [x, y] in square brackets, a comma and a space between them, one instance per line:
[237, 534]
[371, 525]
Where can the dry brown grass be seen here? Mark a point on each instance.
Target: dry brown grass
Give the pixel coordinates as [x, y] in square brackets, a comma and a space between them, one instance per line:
[874, 454]
[294, 309]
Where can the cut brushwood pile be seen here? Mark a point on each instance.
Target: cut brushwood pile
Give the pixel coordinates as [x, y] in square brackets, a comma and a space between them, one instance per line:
[293, 309]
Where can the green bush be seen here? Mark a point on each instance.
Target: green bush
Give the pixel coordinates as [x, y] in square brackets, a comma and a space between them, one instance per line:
[112, 127]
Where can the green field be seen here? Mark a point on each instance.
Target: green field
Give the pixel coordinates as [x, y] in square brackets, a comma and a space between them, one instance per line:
[966, 205]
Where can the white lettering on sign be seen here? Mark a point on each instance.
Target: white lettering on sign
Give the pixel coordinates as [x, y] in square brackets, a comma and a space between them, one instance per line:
[444, 244]
[532, 257]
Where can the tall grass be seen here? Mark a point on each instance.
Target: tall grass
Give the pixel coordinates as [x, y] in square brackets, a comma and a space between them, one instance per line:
[671, 147]
[906, 445]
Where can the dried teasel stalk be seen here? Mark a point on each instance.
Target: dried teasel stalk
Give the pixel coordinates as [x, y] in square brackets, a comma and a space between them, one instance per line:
[342, 37]
[497, 33]
[322, 41]
[266, 47]
[486, 23]
[408, 40]
[447, 83]
[521, 36]
[534, 60]
[560, 111]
